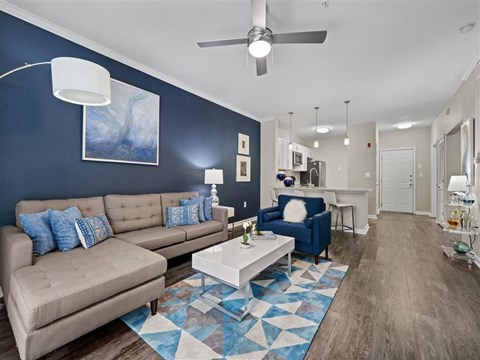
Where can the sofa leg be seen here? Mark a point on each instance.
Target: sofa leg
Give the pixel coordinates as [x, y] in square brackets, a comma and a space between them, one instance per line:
[326, 253]
[316, 259]
[153, 306]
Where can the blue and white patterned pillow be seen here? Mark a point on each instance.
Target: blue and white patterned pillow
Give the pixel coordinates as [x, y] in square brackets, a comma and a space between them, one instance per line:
[37, 227]
[182, 215]
[193, 201]
[93, 230]
[63, 227]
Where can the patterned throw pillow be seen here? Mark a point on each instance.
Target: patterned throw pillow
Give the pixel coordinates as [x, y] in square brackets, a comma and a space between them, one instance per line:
[182, 215]
[93, 230]
[37, 227]
[196, 200]
[63, 227]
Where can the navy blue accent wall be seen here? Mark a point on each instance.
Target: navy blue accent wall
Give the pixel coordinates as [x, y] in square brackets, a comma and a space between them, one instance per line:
[41, 136]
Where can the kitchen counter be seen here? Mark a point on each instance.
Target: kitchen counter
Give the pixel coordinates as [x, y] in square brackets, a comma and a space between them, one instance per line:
[356, 196]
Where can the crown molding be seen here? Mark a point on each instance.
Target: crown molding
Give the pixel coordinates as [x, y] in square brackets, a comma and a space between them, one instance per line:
[103, 50]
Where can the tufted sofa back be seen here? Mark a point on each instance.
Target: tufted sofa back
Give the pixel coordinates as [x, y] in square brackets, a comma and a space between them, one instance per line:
[133, 212]
[88, 206]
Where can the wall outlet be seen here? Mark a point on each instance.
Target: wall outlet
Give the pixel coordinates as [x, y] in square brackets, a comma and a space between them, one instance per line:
[419, 175]
[245, 203]
[419, 165]
[367, 174]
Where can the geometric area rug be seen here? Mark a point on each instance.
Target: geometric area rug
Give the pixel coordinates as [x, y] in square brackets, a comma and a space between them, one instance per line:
[285, 313]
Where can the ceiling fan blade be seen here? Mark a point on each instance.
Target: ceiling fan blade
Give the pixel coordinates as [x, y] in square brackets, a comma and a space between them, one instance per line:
[307, 37]
[261, 66]
[259, 13]
[204, 44]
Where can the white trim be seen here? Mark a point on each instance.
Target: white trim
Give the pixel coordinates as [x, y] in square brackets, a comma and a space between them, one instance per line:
[103, 50]
[374, 217]
[471, 66]
[423, 213]
[240, 222]
[414, 193]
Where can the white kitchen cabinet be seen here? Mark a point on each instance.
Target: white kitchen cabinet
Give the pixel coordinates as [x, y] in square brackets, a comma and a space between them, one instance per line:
[284, 155]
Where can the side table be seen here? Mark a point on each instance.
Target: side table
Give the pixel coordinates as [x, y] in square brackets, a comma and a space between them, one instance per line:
[231, 214]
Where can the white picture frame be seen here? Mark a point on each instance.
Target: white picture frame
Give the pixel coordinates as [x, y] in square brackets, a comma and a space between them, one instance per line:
[243, 144]
[467, 141]
[243, 168]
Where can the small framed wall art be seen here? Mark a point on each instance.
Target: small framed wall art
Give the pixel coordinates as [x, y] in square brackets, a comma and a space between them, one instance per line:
[243, 168]
[243, 144]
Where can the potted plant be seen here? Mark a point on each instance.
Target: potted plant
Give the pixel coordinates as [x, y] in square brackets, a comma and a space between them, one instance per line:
[248, 227]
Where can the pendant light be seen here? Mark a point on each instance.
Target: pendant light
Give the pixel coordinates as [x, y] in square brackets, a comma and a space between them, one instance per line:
[315, 143]
[290, 144]
[346, 141]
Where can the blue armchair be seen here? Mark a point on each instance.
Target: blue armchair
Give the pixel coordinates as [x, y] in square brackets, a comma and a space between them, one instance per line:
[312, 236]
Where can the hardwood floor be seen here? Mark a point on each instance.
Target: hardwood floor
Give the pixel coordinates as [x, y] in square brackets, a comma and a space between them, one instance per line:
[401, 299]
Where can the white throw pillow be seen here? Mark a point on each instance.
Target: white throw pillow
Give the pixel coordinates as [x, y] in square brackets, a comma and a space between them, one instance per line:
[295, 211]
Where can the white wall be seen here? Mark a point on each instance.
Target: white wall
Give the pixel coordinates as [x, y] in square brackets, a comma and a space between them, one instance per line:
[334, 153]
[268, 161]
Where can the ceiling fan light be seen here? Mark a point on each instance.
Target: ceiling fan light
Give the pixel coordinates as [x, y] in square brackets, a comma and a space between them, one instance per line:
[405, 125]
[323, 129]
[315, 144]
[259, 48]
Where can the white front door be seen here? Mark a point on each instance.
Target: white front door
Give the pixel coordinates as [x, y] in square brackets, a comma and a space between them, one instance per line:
[397, 180]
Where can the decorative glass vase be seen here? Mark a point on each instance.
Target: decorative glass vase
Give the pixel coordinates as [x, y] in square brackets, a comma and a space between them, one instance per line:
[468, 199]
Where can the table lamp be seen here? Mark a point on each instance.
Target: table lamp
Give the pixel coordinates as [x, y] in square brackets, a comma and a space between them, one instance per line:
[457, 185]
[214, 176]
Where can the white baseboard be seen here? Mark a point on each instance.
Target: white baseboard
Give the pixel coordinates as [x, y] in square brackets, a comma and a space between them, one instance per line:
[374, 217]
[240, 222]
[425, 213]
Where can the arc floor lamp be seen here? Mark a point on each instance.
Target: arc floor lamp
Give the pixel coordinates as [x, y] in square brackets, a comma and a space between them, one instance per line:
[76, 81]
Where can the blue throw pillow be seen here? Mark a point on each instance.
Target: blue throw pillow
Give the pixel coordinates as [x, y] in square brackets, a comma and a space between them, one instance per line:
[37, 227]
[182, 215]
[63, 227]
[196, 200]
[208, 208]
[93, 230]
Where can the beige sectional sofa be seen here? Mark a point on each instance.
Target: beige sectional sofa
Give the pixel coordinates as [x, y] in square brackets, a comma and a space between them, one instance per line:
[55, 298]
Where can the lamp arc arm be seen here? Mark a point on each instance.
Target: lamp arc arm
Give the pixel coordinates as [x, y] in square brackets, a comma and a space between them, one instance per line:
[26, 66]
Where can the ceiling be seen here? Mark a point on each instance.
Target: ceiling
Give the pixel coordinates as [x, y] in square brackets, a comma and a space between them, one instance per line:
[396, 60]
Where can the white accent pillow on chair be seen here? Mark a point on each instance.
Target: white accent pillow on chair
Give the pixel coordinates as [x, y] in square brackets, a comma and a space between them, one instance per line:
[295, 211]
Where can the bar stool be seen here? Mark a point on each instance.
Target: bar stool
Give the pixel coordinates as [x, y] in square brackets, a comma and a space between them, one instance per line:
[331, 200]
[273, 196]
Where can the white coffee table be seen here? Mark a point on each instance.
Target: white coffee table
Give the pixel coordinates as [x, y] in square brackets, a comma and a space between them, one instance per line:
[228, 264]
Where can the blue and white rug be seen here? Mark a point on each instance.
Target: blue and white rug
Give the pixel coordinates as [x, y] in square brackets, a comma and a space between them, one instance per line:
[285, 315]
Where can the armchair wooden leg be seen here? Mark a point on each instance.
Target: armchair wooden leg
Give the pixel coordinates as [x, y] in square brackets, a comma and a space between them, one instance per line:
[153, 306]
[316, 259]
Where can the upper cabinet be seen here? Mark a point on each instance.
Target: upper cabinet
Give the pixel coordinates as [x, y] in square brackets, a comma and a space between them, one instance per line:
[285, 155]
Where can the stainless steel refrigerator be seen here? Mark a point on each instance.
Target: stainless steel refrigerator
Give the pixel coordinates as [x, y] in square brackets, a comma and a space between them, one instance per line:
[316, 173]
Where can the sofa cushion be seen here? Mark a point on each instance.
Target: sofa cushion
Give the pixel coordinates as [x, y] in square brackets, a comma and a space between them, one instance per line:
[173, 199]
[202, 229]
[63, 227]
[272, 215]
[59, 284]
[201, 207]
[133, 212]
[296, 230]
[153, 238]
[37, 227]
[88, 206]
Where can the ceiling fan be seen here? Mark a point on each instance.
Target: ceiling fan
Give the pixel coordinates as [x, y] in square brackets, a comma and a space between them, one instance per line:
[260, 38]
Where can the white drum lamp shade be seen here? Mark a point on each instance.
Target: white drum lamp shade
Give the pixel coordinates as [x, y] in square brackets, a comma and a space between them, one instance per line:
[214, 176]
[457, 183]
[80, 82]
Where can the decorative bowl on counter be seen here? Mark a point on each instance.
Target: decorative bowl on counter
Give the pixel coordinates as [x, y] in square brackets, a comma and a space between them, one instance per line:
[281, 175]
[288, 181]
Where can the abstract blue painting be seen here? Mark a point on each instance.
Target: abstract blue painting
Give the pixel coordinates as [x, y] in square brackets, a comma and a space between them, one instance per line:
[126, 130]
